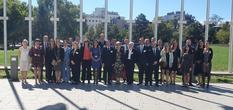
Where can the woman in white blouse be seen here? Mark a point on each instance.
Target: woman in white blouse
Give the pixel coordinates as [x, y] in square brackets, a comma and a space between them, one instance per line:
[24, 60]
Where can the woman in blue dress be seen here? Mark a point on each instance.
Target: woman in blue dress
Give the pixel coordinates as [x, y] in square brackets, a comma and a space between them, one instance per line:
[96, 60]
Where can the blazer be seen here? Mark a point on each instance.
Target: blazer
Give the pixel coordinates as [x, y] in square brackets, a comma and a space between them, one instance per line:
[109, 56]
[76, 56]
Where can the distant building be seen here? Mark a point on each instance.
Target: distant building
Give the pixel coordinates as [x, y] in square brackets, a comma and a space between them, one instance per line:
[172, 16]
[98, 17]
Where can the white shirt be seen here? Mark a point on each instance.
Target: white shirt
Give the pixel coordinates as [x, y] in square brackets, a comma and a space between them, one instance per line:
[129, 54]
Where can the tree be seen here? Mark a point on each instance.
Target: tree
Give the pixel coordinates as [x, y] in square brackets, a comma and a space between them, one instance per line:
[195, 31]
[224, 33]
[141, 27]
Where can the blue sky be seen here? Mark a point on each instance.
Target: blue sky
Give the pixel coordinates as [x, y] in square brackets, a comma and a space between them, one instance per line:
[194, 7]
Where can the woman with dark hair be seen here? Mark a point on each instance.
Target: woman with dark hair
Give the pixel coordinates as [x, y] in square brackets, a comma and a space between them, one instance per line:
[50, 73]
[36, 54]
[96, 60]
[198, 56]
[176, 59]
[186, 65]
[86, 62]
[75, 58]
[58, 60]
[207, 64]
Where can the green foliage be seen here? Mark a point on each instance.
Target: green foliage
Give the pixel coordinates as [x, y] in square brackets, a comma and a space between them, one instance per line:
[141, 28]
[223, 34]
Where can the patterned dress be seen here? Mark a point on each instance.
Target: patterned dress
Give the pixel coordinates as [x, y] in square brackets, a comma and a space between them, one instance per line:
[118, 64]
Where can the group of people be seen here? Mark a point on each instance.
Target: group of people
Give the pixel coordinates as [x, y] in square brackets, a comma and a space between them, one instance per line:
[67, 60]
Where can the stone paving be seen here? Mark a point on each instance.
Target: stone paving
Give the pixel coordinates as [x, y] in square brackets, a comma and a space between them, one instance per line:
[115, 97]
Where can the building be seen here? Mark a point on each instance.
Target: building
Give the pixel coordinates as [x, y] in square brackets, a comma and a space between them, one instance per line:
[172, 16]
[98, 17]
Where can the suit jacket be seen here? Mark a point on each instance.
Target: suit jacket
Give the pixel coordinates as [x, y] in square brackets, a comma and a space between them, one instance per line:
[140, 55]
[156, 54]
[49, 57]
[109, 56]
[132, 59]
[146, 56]
[76, 56]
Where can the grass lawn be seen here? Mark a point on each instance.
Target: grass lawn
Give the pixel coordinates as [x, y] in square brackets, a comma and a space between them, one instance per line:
[220, 60]
[10, 53]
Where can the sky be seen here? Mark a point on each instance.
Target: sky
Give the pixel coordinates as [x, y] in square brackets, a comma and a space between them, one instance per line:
[147, 7]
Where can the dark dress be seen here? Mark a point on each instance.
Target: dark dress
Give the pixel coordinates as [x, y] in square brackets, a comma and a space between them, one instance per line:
[96, 61]
[198, 61]
[37, 56]
[186, 63]
[59, 55]
[176, 57]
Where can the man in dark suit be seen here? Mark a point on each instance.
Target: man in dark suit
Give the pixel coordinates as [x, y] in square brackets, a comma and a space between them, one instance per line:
[109, 57]
[140, 60]
[129, 60]
[47, 62]
[148, 55]
[156, 57]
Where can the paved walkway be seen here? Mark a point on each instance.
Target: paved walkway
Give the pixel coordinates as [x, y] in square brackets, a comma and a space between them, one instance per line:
[115, 97]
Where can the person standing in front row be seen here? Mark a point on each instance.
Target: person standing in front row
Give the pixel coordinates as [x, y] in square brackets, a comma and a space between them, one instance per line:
[156, 57]
[186, 65]
[109, 58]
[199, 57]
[75, 60]
[58, 60]
[140, 60]
[207, 65]
[86, 62]
[66, 63]
[129, 61]
[24, 61]
[176, 61]
[50, 73]
[119, 61]
[148, 62]
[36, 54]
[45, 46]
[96, 60]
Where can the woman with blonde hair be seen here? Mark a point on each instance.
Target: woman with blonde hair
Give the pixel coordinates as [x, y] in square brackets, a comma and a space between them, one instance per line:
[24, 60]
[163, 61]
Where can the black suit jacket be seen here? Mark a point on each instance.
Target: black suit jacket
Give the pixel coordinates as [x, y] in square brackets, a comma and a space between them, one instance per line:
[76, 56]
[109, 56]
[156, 55]
[132, 59]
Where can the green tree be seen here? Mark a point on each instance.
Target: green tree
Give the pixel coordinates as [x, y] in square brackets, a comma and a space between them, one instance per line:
[223, 34]
[142, 28]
